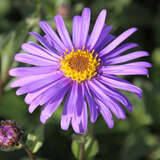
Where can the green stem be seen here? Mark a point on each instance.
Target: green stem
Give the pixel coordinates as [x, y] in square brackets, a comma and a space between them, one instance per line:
[82, 148]
[82, 151]
[30, 154]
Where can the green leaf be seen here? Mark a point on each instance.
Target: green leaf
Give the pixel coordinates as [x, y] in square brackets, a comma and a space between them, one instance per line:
[11, 47]
[13, 107]
[7, 56]
[76, 148]
[91, 146]
[35, 138]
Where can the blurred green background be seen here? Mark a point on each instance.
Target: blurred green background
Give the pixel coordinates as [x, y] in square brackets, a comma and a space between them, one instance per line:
[137, 137]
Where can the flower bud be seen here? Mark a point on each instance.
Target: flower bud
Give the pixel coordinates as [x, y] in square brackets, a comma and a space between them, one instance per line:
[10, 135]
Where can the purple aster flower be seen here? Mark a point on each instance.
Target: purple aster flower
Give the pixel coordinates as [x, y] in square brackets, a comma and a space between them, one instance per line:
[10, 134]
[84, 69]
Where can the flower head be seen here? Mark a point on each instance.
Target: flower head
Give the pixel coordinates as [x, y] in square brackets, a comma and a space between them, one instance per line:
[84, 69]
[10, 134]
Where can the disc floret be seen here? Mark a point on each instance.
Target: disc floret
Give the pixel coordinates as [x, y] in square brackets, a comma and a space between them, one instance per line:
[80, 65]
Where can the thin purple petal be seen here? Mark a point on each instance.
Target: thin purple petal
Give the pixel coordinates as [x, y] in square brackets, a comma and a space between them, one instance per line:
[127, 57]
[66, 117]
[106, 114]
[85, 23]
[34, 60]
[51, 106]
[35, 85]
[76, 31]
[30, 71]
[117, 51]
[104, 38]
[119, 83]
[47, 44]
[97, 29]
[125, 69]
[108, 101]
[52, 93]
[37, 50]
[117, 41]
[63, 32]
[114, 94]
[91, 103]
[53, 36]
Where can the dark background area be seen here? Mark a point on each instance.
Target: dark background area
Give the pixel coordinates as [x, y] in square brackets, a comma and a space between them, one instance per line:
[137, 137]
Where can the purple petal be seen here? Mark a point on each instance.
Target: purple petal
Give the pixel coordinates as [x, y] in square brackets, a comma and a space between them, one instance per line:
[72, 101]
[106, 114]
[63, 32]
[22, 81]
[75, 126]
[50, 107]
[117, 41]
[34, 60]
[54, 92]
[84, 118]
[108, 101]
[127, 57]
[125, 69]
[53, 36]
[114, 94]
[29, 71]
[76, 31]
[66, 117]
[80, 100]
[37, 50]
[80, 127]
[35, 85]
[104, 38]
[97, 29]
[47, 44]
[69, 106]
[117, 51]
[119, 83]
[58, 87]
[86, 15]
[108, 39]
[65, 121]
[79, 103]
[45, 39]
[33, 106]
[33, 95]
[139, 64]
[91, 103]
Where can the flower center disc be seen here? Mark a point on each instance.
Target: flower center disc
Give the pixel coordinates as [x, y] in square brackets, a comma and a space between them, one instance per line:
[79, 65]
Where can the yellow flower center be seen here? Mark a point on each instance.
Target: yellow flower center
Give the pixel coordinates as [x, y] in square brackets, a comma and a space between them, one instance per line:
[79, 65]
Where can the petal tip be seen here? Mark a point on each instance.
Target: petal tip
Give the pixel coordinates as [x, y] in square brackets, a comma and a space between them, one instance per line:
[86, 10]
[134, 29]
[12, 85]
[11, 72]
[111, 125]
[104, 12]
[43, 119]
[18, 93]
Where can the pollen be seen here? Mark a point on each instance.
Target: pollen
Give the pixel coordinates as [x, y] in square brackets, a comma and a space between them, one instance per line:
[79, 64]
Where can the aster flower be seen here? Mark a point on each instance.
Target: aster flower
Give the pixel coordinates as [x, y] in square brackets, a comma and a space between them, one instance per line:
[85, 69]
